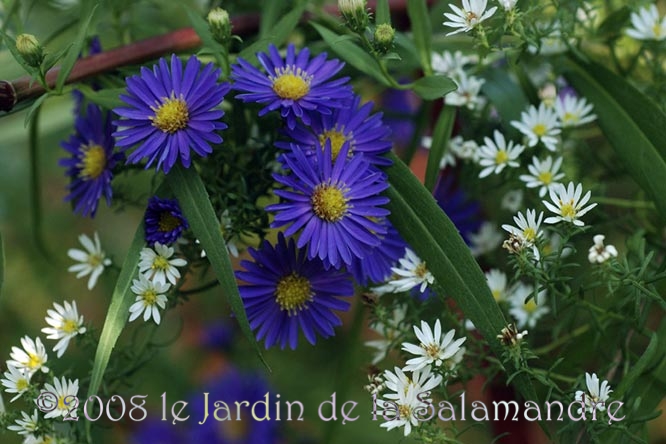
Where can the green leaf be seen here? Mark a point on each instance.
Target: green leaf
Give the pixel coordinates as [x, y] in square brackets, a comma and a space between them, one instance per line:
[611, 27]
[434, 87]
[270, 11]
[352, 54]
[51, 59]
[107, 98]
[632, 123]
[440, 142]
[2, 263]
[421, 29]
[203, 31]
[280, 32]
[426, 228]
[382, 12]
[74, 50]
[118, 313]
[33, 108]
[507, 97]
[639, 368]
[192, 197]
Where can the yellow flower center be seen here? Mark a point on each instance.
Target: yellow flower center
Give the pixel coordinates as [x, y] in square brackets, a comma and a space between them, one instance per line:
[529, 234]
[329, 203]
[34, 361]
[421, 270]
[471, 17]
[497, 294]
[405, 411]
[288, 84]
[539, 129]
[656, 29]
[432, 350]
[168, 222]
[530, 306]
[292, 292]
[62, 405]
[22, 384]
[569, 117]
[95, 260]
[171, 115]
[501, 157]
[149, 298]
[337, 139]
[69, 326]
[568, 209]
[160, 263]
[546, 177]
[93, 162]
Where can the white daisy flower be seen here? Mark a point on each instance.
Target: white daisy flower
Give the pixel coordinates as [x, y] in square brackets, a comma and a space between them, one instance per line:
[473, 12]
[647, 25]
[539, 125]
[65, 323]
[596, 395]
[527, 313]
[543, 174]
[423, 380]
[389, 332]
[497, 284]
[92, 261]
[32, 358]
[486, 240]
[467, 93]
[451, 64]
[16, 381]
[61, 395]
[464, 149]
[527, 228]
[149, 298]
[510, 337]
[433, 348]
[27, 424]
[403, 410]
[547, 94]
[411, 273]
[158, 266]
[600, 253]
[568, 204]
[573, 111]
[496, 155]
[512, 200]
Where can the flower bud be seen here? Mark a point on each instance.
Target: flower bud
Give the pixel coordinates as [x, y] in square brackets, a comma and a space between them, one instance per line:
[220, 25]
[355, 13]
[32, 52]
[383, 38]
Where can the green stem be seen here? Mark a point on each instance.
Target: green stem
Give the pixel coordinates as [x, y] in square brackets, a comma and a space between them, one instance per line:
[562, 340]
[625, 203]
[35, 185]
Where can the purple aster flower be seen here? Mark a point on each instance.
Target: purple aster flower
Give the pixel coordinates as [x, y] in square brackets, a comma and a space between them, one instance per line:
[164, 221]
[91, 162]
[234, 387]
[171, 112]
[364, 133]
[297, 86]
[463, 212]
[376, 266]
[335, 202]
[288, 291]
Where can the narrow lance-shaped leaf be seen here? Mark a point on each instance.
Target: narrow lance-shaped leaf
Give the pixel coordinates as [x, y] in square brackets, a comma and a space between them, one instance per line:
[74, 50]
[421, 29]
[438, 147]
[192, 197]
[281, 31]
[426, 228]
[382, 12]
[629, 123]
[2, 263]
[434, 87]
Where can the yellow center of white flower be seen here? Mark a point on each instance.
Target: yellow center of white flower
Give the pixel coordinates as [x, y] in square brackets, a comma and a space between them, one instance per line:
[290, 84]
[34, 361]
[69, 326]
[405, 411]
[95, 260]
[529, 234]
[432, 350]
[62, 405]
[292, 292]
[539, 129]
[472, 18]
[530, 306]
[329, 203]
[546, 177]
[149, 297]
[656, 30]
[160, 263]
[569, 117]
[497, 294]
[337, 139]
[93, 162]
[171, 115]
[501, 157]
[421, 270]
[568, 209]
[22, 384]
[168, 222]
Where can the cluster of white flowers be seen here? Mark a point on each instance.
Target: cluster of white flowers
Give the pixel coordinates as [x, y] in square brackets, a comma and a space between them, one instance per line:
[157, 273]
[453, 65]
[408, 389]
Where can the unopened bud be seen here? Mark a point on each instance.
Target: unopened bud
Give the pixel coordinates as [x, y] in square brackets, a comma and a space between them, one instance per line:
[383, 38]
[32, 52]
[220, 25]
[355, 13]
